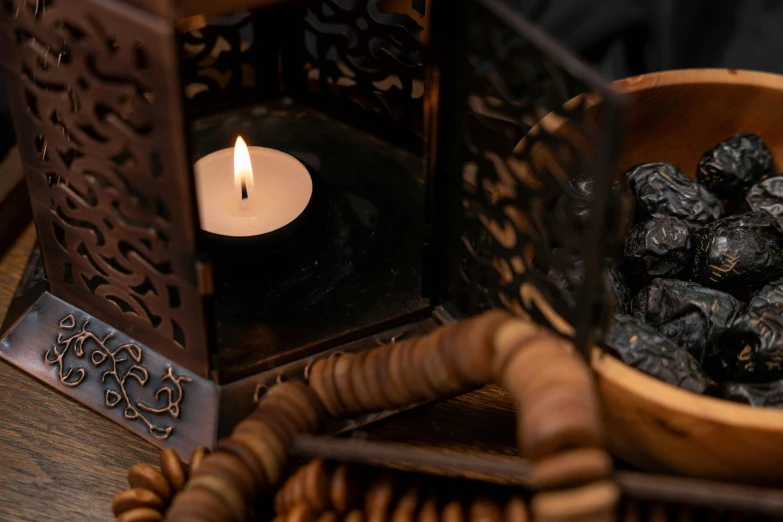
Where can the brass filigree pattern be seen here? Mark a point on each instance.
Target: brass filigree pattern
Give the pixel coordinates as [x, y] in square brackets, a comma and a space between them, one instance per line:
[121, 365]
[367, 56]
[101, 134]
[531, 119]
[222, 62]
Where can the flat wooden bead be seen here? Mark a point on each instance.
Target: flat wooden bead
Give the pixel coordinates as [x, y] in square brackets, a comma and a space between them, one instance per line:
[400, 375]
[344, 367]
[317, 482]
[537, 364]
[223, 490]
[341, 495]
[295, 488]
[202, 503]
[571, 426]
[516, 511]
[280, 503]
[354, 516]
[261, 429]
[313, 402]
[196, 458]
[557, 369]
[271, 461]
[471, 346]
[233, 470]
[567, 430]
[305, 401]
[331, 387]
[441, 375]
[172, 468]
[188, 517]
[142, 514]
[395, 395]
[329, 516]
[510, 337]
[549, 402]
[242, 452]
[372, 378]
[419, 353]
[147, 477]
[360, 387]
[320, 373]
[571, 468]
[540, 353]
[297, 491]
[290, 496]
[376, 516]
[433, 366]
[595, 499]
[136, 498]
[561, 376]
[301, 512]
[284, 495]
[418, 387]
[485, 510]
[453, 512]
[282, 422]
[429, 510]
[405, 508]
[379, 494]
[283, 405]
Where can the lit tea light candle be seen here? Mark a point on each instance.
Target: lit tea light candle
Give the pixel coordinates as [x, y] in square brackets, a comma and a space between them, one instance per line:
[250, 191]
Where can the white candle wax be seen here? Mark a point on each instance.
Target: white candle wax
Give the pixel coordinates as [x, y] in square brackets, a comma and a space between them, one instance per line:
[281, 190]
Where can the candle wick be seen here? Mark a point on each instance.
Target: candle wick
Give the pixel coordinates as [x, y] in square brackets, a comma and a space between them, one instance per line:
[244, 188]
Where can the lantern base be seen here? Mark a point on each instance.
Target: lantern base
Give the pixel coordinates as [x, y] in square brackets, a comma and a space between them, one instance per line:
[133, 385]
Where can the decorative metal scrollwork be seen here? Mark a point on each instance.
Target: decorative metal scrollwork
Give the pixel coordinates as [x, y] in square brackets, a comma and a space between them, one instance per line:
[121, 365]
[103, 163]
[367, 56]
[529, 120]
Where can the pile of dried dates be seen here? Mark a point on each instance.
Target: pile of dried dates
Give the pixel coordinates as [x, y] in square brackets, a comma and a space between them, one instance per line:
[699, 287]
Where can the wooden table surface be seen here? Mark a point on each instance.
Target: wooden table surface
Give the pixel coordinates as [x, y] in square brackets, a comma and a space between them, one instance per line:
[61, 461]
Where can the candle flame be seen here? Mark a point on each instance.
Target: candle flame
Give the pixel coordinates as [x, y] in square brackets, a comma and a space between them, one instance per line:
[243, 170]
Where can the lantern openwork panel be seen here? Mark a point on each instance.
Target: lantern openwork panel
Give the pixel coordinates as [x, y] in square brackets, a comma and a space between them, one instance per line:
[97, 108]
[526, 149]
[441, 140]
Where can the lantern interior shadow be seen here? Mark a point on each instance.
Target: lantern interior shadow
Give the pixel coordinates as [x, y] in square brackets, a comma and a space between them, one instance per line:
[352, 263]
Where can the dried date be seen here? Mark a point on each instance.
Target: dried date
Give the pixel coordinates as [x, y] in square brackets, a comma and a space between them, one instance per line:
[767, 196]
[751, 350]
[734, 165]
[646, 349]
[660, 247]
[661, 189]
[566, 279]
[770, 295]
[576, 204]
[768, 394]
[689, 314]
[738, 252]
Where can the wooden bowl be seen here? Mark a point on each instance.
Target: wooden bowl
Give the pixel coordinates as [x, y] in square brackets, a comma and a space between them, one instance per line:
[675, 116]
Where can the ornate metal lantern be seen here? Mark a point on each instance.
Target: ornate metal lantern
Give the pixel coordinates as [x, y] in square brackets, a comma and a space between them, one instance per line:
[439, 137]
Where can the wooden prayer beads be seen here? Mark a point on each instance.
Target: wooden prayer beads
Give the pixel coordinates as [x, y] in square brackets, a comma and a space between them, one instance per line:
[251, 460]
[387, 497]
[453, 359]
[151, 489]
[559, 430]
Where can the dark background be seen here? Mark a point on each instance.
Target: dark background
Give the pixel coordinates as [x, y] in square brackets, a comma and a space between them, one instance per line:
[627, 37]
